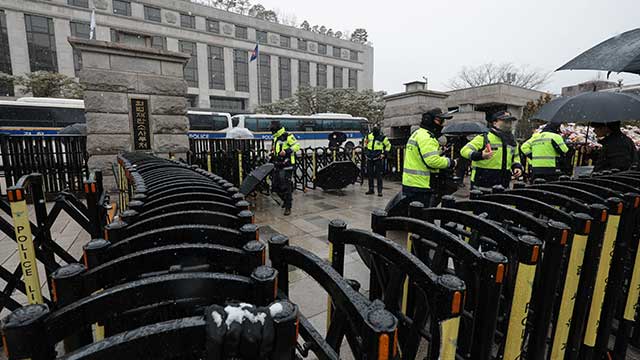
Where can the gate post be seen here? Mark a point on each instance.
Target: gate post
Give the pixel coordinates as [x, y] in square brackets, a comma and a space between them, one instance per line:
[24, 334]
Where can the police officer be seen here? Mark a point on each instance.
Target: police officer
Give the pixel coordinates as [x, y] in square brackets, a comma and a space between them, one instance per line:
[422, 158]
[546, 150]
[495, 158]
[377, 146]
[284, 149]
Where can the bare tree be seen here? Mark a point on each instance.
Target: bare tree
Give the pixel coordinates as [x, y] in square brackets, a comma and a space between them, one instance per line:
[286, 18]
[491, 73]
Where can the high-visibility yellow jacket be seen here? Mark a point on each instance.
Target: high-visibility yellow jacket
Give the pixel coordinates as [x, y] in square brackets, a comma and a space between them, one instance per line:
[495, 170]
[545, 149]
[421, 159]
[282, 140]
[376, 145]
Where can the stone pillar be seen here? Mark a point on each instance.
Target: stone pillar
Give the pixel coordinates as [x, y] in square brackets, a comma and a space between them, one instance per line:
[329, 76]
[275, 78]
[295, 75]
[115, 76]
[313, 74]
[63, 50]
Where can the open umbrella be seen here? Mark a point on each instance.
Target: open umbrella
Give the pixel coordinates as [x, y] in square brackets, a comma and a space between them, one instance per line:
[336, 138]
[74, 129]
[596, 107]
[337, 175]
[464, 128]
[257, 176]
[619, 54]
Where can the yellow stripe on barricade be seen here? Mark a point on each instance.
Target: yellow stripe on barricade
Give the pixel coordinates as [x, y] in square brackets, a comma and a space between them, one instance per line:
[601, 280]
[634, 290]
[405, 288]
[568, 299]
[449, 338]
[519, 311]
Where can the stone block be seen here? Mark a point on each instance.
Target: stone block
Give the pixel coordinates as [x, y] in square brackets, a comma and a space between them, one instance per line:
[165, 143]
[169, 124]
[172, 69]
[138, 65]
[168, 105]
[95, 61]
[161, 85]
[102, 162]
[100, 144]
[106, 102]
[106, 80]
[99, 123]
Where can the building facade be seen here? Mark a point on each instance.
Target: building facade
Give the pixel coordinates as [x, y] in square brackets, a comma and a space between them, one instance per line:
[33, 36]
[404, 110]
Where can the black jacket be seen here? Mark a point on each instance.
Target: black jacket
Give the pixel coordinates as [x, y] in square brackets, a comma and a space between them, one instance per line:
[618, 152]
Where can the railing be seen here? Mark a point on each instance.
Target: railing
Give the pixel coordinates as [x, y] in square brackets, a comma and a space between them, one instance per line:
[61, 159]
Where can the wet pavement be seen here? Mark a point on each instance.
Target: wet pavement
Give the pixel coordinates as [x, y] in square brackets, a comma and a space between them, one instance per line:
[306, 227]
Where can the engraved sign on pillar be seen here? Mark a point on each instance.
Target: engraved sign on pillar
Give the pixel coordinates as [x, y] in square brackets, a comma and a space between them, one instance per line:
[141, 130]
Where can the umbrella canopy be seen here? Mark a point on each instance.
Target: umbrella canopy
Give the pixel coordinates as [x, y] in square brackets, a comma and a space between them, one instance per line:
[618, 54]
[74, 129]
[239, 133]
[337, 175]
[255, 178]
[596, 107]
[464, 127]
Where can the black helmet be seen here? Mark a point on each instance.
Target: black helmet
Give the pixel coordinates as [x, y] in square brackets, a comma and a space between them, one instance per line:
[429, 117]
[375, 130]
[275, 126]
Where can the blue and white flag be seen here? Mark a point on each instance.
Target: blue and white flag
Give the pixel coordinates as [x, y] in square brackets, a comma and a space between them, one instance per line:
[254, 54]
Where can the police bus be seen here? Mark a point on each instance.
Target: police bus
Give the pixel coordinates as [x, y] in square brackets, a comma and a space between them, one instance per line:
[311, 131]
[47, 116]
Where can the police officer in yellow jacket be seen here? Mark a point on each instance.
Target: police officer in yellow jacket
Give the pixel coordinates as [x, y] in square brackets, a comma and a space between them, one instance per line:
[546, 150]
[423, 159]
[495, 157]
[284, 149]
[377, 146]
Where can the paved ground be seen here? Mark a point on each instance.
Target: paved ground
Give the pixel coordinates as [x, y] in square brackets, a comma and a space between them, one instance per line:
[306, 227]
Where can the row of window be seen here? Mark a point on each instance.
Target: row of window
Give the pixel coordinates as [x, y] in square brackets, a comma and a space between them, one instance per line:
[258, 124]
[152, 13]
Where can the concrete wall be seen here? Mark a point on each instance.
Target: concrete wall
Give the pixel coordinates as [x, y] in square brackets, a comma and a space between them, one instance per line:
[170, 28]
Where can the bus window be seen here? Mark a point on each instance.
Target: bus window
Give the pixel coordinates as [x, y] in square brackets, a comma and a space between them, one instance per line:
[67, 116]
[200, 122]
[235, 121]
[251, 124]
[25, 116]
[220, 122]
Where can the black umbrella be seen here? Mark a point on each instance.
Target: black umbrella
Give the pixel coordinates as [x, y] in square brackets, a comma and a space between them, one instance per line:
[464, 127]
[257, 176]
[74, 129]
[336, 138]
[619, 54]
[596, 107]
[337, 175]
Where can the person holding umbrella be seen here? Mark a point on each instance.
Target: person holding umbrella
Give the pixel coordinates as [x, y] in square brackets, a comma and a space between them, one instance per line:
[618, 150]
[494, 156]
[284, 149]
[546, 150]
[422, 158]
[377, 146]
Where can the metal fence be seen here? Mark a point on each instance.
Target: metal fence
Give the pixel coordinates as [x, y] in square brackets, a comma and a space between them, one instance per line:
[61, 159]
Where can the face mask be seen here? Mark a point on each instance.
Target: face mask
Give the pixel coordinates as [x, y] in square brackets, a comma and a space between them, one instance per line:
[505, 126]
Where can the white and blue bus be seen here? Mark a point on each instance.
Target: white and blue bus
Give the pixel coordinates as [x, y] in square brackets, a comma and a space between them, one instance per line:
[47, 116]
[311, 131]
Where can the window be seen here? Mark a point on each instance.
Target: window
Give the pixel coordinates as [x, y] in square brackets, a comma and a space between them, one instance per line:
[264, 73]
[79, 30]
[41, 42]
[191, 69]
[121, 7]
[81, 3]
[193, 102]
[240, 70]
[216, 67]
[322, 49]
[202, 121]
[187, 21]
[303, 74]
[285, 41]
[336, 52]
[302, 44]
[227, 104]
[213, 26]
[285, 77]
[261, 36]
[322, 76]
[353, 55]
[152, 13]
[241, 32]
[337, 77]
[353, 79]
[6, 89]
[158, 42]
